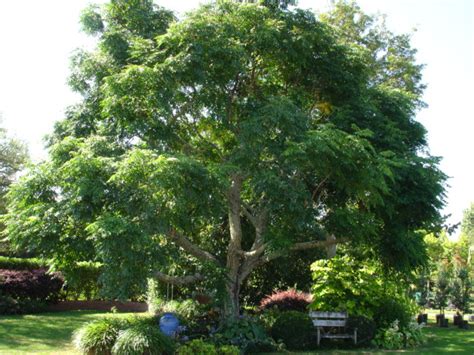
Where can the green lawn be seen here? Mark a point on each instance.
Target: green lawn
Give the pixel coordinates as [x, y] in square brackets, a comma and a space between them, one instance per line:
[46, 333]
[50, 333]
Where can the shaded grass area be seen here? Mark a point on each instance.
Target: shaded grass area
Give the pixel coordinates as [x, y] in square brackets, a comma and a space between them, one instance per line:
[45, 333]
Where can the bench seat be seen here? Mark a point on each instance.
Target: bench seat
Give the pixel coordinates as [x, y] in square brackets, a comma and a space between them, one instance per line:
[328, 322]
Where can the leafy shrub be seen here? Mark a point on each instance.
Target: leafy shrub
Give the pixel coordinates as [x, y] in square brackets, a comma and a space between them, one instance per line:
[365, 328]
[395, 337]
[32, 285]
[414, 335]
[98, 337]
[11, 263]
[390, 310]
[343, 283]
[82, 280]
[240, 332]
[142, 339]
[267, 318]
[290, 300]
[295, 329]
[390, 338]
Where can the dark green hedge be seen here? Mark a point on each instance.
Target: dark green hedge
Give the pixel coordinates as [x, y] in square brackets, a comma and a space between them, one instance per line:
[11, 263]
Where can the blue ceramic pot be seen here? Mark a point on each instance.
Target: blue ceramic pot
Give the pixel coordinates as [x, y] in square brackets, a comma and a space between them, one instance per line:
[169, 324]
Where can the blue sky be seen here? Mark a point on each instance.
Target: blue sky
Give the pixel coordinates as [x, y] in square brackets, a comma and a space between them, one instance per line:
[37, 38]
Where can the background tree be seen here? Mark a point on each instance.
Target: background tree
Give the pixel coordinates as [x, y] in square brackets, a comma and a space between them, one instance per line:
[207, 147]
[13, 156]
[467, 236]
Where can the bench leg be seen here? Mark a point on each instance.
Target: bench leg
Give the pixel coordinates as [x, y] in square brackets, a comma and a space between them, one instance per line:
[318, 339]
[355, 336]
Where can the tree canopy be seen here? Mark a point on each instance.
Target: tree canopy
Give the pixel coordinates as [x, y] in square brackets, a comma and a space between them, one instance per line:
[217, 143]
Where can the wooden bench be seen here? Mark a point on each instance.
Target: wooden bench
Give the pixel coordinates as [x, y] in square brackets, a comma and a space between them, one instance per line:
[330, 324]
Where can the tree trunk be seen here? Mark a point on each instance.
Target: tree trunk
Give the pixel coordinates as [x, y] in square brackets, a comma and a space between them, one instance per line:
[234, 251]
[232, 304]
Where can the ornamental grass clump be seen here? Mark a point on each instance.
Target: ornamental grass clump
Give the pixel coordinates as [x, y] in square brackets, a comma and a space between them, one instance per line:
[143, 339]
[290, 300]
[98, 337]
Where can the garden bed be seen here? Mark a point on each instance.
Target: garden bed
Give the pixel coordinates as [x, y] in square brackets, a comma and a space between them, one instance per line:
[50, 333]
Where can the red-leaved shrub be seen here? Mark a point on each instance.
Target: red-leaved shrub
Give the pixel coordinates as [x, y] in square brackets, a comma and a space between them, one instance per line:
[290, 300]
[35, 285]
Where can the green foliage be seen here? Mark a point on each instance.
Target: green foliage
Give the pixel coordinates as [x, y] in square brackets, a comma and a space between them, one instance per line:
[295, 329]
[12, 263]
[143, 339]
[320, 131]
[461, 290]
[390, 338]
[199, 346]
[98, 337]
[442, 289]
[239, 332]
[395, 337]
[366, 329]
[10, 305]
[359, 288]
[13, 157]
[130, 335]
[82, 280]
[390, 310]
[289, 271]
[267, 318]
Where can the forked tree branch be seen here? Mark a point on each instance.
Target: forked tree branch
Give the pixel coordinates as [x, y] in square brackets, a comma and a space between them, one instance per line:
[192, 248]
[302, 246]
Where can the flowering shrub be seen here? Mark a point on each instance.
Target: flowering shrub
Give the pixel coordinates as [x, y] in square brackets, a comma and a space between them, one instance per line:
[290, 300]
[35, 285]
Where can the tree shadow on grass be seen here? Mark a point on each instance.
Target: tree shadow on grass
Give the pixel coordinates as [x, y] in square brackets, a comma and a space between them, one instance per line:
[47, 331]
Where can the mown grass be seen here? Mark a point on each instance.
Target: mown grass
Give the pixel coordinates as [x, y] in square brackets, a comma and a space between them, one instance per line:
[50, 333]
[45, 333]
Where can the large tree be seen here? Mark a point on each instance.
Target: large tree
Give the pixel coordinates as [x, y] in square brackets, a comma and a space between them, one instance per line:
[207, 147]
